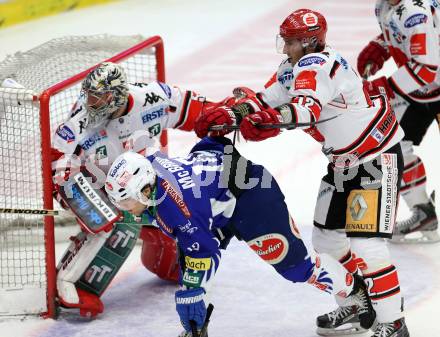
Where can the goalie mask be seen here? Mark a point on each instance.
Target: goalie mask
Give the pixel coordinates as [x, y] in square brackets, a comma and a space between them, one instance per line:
[126, 180]
[308, 26]
[105, 89]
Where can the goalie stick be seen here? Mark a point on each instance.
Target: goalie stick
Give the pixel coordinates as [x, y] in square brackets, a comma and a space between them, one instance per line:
[288, 126]
[30, 211]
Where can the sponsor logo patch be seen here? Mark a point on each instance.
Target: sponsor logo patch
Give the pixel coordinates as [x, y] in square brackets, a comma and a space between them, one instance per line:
[415, 20]
[124, 178]
[418, 44]
[310, 19]
[117, 167]
[198, 263]
[362, 208]
[89, 142]
[65, 133]
[306, 80]
[163, 225]
[272, 248]
[192, 279]
[286, 76]
[171, 191]
[166, 89]
[150, 115]
[101, 152]
[311, 60]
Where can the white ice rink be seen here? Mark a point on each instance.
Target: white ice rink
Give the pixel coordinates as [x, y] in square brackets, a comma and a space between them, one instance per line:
[211, 47]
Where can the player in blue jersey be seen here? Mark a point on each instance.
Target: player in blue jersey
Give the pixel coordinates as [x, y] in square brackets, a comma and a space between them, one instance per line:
[204, 199]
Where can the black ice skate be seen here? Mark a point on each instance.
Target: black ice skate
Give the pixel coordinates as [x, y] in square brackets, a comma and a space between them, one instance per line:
[421, 227]
[355, 318]
[395, 329]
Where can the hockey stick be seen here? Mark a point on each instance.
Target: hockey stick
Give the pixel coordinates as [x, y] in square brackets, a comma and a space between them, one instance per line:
[29, 211]
[288, 126]
[204, 330]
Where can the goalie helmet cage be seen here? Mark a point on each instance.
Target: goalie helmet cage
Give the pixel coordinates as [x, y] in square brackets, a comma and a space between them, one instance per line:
[51, 75]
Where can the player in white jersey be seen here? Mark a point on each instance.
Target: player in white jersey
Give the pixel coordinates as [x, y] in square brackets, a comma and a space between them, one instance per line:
[410, 35]
[357, 200]
[110, 117]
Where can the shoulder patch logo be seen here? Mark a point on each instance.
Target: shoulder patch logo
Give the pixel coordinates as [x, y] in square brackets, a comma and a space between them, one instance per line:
[66, 133]
[166, 89]
[311, 60]
[415, 20]
[286, 76]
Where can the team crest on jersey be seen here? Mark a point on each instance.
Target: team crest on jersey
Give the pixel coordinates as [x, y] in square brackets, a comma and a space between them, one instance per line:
[415, 20]
[311, 60]
[66, 133]
[272, 248]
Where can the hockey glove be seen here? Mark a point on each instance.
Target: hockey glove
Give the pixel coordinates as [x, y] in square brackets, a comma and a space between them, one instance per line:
[218, 116]
[372, 57]
[379, 86]
[191, 307]
[249, 126]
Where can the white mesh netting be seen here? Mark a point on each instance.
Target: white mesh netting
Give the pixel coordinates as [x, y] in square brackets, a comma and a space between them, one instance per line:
[22, 252]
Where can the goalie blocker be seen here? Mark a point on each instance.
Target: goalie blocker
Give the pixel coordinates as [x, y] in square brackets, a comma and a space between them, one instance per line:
[97, 253]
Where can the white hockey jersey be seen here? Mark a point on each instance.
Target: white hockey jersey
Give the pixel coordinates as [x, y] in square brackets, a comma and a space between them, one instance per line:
[323, 85]
[411, 33]
[152, 108]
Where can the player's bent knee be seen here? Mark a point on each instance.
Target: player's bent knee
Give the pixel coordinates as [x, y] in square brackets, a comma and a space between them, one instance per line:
[373, 252]
[332, 242]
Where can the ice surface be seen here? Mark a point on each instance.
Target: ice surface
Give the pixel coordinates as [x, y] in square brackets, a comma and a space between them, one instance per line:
[212, 46]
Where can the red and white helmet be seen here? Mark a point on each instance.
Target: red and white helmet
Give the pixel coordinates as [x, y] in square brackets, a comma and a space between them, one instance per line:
[127, 177]
[306, 25]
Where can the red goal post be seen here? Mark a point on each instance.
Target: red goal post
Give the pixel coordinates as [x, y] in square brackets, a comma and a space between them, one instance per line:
[51, 75]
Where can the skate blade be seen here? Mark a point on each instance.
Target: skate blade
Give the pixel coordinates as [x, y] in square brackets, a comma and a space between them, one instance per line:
[416, 237]
[343, 330]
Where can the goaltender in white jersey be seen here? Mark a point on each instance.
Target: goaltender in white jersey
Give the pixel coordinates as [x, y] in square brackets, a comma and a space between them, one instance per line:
[109, 118]
[152, 107]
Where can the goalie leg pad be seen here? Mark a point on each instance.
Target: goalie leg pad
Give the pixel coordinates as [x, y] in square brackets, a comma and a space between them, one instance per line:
[159, 253]
[90, 264]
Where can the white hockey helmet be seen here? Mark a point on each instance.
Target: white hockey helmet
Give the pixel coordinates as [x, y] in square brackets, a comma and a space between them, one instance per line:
[129, 174]
[105, 89]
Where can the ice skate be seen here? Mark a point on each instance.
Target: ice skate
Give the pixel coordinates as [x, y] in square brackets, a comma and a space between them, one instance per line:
[355, 318]
[395, 329]
[421, 227]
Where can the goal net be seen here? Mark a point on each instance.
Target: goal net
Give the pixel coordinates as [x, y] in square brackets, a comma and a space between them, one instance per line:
[49, 78]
